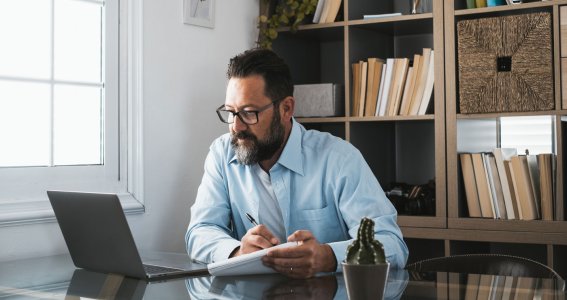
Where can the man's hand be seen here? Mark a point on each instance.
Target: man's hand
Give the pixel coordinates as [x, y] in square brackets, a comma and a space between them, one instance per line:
[303, 261]
[257, 238]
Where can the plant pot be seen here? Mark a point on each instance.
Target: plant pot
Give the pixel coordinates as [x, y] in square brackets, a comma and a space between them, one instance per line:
[365, 281]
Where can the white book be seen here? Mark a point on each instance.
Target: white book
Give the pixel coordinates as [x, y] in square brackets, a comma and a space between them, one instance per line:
[318, 11]
[428, 90]
[386, 87]
[380, 91]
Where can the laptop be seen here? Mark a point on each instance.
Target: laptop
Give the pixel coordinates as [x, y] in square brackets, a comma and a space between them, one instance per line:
[99, 239]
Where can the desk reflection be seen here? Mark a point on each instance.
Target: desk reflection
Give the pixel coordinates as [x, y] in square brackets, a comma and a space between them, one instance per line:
[275, 286]
[400, 285]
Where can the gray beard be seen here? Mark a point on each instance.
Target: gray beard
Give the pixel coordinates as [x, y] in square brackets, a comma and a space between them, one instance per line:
[258, 150]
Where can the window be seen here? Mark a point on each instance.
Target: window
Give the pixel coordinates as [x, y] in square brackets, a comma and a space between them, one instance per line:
[64, 122]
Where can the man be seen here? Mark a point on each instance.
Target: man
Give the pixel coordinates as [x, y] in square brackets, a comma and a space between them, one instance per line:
[301, 185]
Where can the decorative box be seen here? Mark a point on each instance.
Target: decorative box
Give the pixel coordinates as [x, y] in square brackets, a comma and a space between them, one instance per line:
[505, 63]
[319, 100]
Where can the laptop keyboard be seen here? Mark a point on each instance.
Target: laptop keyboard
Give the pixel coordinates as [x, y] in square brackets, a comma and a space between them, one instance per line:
[151, 269]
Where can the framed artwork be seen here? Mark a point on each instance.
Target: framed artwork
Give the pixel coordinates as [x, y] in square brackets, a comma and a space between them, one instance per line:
[199, 12]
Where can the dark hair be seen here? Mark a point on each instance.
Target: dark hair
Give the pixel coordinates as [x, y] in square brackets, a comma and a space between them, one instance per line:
[269, 65]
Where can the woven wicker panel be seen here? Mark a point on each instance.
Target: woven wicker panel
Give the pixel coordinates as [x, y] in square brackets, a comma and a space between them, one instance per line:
[522, 40]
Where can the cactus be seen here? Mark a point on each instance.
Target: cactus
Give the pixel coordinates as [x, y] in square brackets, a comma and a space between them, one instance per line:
[365, 249]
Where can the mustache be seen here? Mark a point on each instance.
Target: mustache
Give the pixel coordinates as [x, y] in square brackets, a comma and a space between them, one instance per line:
[243, 135]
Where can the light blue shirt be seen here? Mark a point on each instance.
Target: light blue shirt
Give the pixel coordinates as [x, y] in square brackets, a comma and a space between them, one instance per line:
[322, 184]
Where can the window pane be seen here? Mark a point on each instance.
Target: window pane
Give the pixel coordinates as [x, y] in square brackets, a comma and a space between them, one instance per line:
[25, 38]
[24, 124]
[78, 44]
[532, 133]
[77, 126]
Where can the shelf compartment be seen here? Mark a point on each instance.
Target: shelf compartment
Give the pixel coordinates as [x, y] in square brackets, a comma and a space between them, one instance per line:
[314, 56]
[390, 40]
[398, 152]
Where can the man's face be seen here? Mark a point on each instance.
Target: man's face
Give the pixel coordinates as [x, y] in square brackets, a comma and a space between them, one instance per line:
[260, 141]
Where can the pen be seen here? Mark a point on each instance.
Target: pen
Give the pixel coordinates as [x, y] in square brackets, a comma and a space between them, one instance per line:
[251, 219]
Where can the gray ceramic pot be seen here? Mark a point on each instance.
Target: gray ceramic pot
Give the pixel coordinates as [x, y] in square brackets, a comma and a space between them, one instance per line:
[365, 281]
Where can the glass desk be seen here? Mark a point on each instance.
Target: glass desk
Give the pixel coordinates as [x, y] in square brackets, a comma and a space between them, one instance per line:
[55, 277]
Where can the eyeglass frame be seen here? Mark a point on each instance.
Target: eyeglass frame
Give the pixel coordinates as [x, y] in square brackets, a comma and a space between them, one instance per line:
[237, 114]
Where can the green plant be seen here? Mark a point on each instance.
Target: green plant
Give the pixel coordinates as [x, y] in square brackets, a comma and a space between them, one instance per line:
[287, 13]
[365, 249]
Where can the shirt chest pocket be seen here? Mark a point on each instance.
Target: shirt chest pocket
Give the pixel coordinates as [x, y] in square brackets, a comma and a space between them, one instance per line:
[322, 222]
[317, 214]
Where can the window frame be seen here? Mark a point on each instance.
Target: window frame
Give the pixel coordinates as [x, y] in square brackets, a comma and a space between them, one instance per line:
[126, 74]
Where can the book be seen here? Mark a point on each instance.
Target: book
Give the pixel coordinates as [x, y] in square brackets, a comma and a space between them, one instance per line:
[544, 162]
[318, 11]
[428, 88]
[325, 11]
[374, 77]
[362, 93]
[480, 3]
[356, 88]
[410, 86]
[380, 90]
[333, 10]
[500, 155]
[398, 81]
[246, 264]
[514, 188]
[407, 86]
[366, 17]
[386, 87]
[496, 187]
[470, 185]
[420, 82]
[470, 3]
[369, 82]
[526, 201]
[534, 179]
[484, 195]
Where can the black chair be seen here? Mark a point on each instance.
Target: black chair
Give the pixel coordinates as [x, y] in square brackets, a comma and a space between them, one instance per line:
[491, 264]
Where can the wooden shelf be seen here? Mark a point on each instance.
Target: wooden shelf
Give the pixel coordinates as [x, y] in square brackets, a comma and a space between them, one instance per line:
[508, 225]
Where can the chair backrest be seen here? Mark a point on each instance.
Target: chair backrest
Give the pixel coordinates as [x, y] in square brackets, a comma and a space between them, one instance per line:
[492, 264]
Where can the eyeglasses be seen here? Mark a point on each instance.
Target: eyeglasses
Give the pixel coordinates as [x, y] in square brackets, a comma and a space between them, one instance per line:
[249, 117]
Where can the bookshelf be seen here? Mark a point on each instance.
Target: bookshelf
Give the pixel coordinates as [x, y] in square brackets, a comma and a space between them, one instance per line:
[540, 240]
[415, 149]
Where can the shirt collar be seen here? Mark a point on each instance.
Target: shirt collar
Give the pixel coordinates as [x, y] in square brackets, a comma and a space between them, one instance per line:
[291, 156]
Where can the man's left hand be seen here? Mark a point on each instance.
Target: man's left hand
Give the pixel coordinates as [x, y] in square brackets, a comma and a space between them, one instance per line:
[305, 260]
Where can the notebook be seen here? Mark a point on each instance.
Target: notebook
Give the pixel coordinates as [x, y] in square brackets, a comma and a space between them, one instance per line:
[99, 239]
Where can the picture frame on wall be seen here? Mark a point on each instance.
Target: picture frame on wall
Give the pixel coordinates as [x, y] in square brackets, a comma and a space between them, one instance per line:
[199, 12]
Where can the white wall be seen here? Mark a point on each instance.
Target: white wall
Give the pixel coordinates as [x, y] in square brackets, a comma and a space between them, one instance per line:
[184, 82]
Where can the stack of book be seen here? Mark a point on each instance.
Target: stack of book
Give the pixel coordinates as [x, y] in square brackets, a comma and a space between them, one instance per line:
[393, 87]
[503, 185]
[326, 11]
